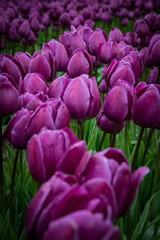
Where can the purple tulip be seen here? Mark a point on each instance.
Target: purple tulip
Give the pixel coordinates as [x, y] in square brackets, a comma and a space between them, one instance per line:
[46, 20]
[72, 40]
[53, 114]
[34, 83]
[65, 20]
[146, 107]
[10, 65]
[79, 63]
[112, 166]
[125, 22]
[107, 125]
[58, 53]
[118, 102]
[97, 37]
[153, 76]
[152, 21]
[86, 32]
[141, 28]
[31, 102]
[24, 60]
[153, 49]
[24, 29]
[35, 24]
[42, 64]
[51, 207]
[10, 100]
[16, 130]
[115, 35]
[54, 150]
[13, 34]
[103, 86]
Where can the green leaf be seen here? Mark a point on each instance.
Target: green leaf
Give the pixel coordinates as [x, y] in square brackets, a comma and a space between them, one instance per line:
[144, 218]
[12, 235]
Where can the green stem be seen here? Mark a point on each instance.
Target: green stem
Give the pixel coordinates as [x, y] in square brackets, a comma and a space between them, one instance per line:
[1, 171]
[46, 35]
[157, 168]
[129, 224]
[126, 140]
[12, 186]
[147, 144]
[81, 125]
[137, 149]
[102, 140]
[20, 164]
[114, 135]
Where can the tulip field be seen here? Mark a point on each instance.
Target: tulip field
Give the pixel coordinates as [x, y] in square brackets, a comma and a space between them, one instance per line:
[80, 120]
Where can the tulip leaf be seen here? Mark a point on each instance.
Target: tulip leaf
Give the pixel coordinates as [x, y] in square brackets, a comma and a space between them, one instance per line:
[144, 218]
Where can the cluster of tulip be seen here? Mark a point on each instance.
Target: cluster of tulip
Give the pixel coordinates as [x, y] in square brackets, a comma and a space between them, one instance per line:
[24, 20]
[82, 192]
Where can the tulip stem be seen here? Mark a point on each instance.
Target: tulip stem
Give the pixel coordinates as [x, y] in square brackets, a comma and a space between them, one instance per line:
[20, 164]
[114, 135]
[1, 171]
[147, 144]
[81, 125]
[96, 68]
[12, 186]
[137, 149]
[157, 166]
[102, 140]
[46, 35]
[126, 140]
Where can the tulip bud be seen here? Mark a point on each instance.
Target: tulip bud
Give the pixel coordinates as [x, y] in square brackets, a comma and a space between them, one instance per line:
[141, 28]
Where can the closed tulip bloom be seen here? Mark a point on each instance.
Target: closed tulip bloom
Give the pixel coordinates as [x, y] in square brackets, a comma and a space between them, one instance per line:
[54, 150]
[141, 28]
[24, 60]
[53, 114]
[24, 29]
[65, 20]
[153, 76]
[146, 107]
[16, 130]
[35, 24]
[34, 83]
[10, 100]
[86, 32]
[115, 35]
[72, 40]
[32, 101]
[10, 65]
[13, 34]
[103, 86]
[112, 166]
[55, 196]
[58, 86]
[42, 64]
[79, 63]
[153, 48]
[118, 102]
[58, 53]
[97, 37]
[107, 125]
[82, 98]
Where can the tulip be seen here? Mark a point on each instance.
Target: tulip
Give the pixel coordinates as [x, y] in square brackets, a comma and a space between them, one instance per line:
[86, 32]
[10, 100]
[35, 24]
[103, 86]
[53, 114]
[24, 60]
[141, 28]
[65, 20]
[118, 102]
[13, 34]
[24, 29]
[115, 35]
[56, 196]
[153, 49]
[112, 166]
[79, 63]
[153, 76]
[146, 107]
[16, 130]
[32, 101]
[72, 40]
[34, 83]
[59, 150]
[97, 37]
[10, 65]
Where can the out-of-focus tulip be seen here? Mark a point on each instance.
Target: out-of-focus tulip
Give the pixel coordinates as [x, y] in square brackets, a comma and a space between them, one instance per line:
[52, 207]
[10, 65]
[146, 107]
[112, 166]
[98, 36]
[31, 102]
[152, 21]
[53, 150]
[13, 34]
[34, 83]
[153, 76]
[107, 125]
[125, 22]
[24, 29]
[115, 35]
[118, 102]
[65, 20]
[141, 28]
[10, 100]
[79, 63]
[35, 24]
[153, 49]
[16, 130]
[53, 114]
